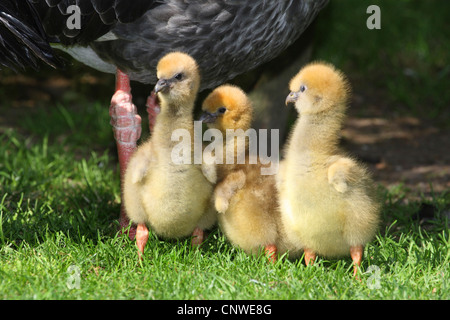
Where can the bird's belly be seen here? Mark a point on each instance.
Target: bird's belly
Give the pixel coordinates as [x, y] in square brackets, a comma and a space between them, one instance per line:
[175, 201]
[315, 219]
[321, 233]
[249, 223]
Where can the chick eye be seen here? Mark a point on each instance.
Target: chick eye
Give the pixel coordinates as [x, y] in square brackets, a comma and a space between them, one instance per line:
[222, 110]
[302, 88]
[179, 76]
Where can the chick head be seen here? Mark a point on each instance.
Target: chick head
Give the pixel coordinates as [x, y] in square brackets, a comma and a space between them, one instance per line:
[318, 87]
[227, 107]
[178, 78]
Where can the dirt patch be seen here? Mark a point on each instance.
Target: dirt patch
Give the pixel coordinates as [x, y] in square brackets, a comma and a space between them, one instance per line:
[399, 149]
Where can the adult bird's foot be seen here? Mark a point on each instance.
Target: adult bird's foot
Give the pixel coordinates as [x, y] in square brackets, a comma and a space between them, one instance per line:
[124, 223]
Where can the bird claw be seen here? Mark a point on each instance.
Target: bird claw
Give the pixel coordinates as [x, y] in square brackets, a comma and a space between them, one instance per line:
[124, 118]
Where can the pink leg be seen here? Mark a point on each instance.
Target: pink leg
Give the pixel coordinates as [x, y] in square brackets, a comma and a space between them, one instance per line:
[153, 109]
[271, 252]
[198, 235]
[127, 130]
[141, 238]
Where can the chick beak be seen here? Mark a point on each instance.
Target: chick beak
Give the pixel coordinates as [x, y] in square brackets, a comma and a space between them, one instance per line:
[207, 117]
[162, 85]
[291, 98]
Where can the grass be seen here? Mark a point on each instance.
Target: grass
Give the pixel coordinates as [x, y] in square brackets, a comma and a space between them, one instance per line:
[59, 241]
[59, 194]
[406, 61]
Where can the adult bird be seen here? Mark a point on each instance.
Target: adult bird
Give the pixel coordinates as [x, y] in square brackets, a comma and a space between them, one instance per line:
[226, 37]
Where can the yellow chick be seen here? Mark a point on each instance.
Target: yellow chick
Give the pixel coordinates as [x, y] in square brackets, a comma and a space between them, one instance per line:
[245, 199]
[173, 199]
[327, 199]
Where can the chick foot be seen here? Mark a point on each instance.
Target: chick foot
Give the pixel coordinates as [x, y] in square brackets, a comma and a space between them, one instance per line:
[198, 236]
[356, 252]
[310, 257]
[126, 125]
[141, 239]
[271, 252]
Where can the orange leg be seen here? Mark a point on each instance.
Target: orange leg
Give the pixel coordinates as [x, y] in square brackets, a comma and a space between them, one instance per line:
[271, 252]
[198, 235]
[310, 256]
[141, 238]
[356, 252]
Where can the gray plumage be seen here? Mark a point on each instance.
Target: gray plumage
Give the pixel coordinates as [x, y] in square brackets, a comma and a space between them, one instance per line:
[226, 37]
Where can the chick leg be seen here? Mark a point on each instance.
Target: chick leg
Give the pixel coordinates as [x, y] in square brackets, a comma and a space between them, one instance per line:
[310, 256]
[271, 252]
[141, 238]
[356, 252]
[126, 125]
[198, 235]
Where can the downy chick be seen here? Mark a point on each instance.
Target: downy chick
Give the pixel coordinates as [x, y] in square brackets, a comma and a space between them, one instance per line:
[172, 199]
[327, 199]
[245, 199]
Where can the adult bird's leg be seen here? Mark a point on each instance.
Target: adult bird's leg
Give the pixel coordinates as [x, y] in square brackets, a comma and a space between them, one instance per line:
[356, 252]
[126, 125]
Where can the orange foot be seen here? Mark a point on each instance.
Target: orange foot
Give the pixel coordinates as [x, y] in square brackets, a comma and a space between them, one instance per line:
[356, 252]
[310, 256]
[141, 238]
[271, 252]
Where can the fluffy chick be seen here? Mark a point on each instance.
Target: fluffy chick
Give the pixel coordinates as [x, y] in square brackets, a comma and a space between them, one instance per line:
[327, 199]
[172, 199]
[245, 199]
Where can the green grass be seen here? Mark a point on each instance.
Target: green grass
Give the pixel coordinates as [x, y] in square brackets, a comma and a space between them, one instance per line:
[58, 209]
[59, 191]
[405, 62]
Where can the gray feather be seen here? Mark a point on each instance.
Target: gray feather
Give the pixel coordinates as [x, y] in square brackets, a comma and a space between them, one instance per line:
[226, 37]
